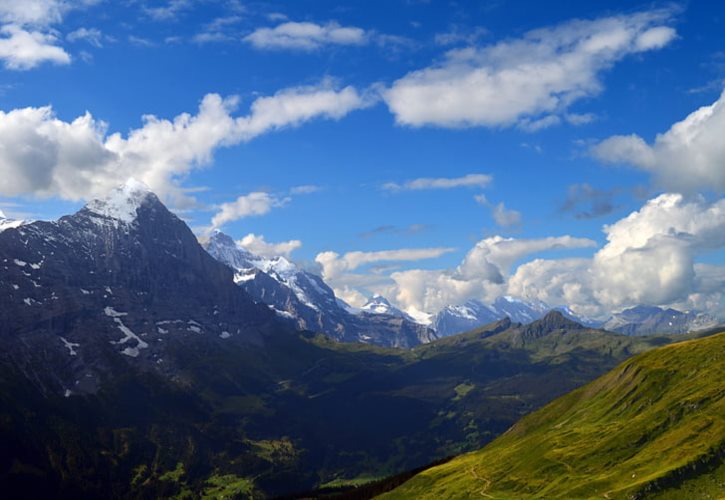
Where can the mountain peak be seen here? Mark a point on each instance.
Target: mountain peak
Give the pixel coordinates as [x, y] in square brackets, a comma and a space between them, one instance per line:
[556, 319]
[122, 202]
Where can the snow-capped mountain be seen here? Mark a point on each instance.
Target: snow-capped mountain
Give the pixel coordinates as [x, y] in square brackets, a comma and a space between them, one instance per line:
[645, 320]
[377, 304]
[456, 319]
[6, 223]
[304, 298]
[122, 281]
[460, 318]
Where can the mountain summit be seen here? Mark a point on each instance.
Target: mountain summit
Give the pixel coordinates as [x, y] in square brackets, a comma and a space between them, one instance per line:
[121, 281]
[123, 202]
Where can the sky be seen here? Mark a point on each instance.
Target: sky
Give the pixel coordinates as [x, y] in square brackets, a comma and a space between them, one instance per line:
[430, 151]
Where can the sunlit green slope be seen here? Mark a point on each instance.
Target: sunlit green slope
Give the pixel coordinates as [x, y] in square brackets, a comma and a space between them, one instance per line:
[652, 427]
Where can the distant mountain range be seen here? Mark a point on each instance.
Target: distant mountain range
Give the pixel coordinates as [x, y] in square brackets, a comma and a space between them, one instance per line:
[646, 320]
[305, 299]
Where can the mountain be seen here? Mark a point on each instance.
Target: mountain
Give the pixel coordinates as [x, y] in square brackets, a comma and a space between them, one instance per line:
[133, 365]
[452, 320]
[6, 223]
[305, 299]
[123, 281]
[646, 320]
[377, 304]
[653, 427]
[455, 319]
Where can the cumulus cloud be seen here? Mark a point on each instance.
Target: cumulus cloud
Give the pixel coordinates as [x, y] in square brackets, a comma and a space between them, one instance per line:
[22, 50]
[306, 36]
[44, 156]
[27, 38]
[248, 205]
[259, 246]
[470, 180]
[531, 80]
[649, 258]
[688, 157]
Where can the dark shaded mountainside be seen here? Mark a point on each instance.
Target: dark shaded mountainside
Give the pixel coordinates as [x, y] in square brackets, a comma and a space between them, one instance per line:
[131, 365]
[654, 427]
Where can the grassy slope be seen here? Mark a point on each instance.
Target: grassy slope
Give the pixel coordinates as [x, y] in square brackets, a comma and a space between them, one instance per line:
[648, 427]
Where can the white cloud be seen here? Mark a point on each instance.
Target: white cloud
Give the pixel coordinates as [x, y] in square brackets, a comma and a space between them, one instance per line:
[169, 11]
[524, 80]
[470, 180]
[26, 35]
[459, 35]
[688, 157]
[506, 217]
[306, 36]
[32, 12]
[259, 246]
[649, 258]
[657, 245]
[482, 273]
[335, 266]
[22, 50]
[503, 216]
[305, 189]
[90, 35]
[492, 258]
[44, 156]
[248, 205]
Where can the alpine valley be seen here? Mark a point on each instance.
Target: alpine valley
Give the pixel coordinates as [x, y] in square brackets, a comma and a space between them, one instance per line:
[136, 363]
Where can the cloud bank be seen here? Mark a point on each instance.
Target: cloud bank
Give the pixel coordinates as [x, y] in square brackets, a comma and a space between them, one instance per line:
[42, 155]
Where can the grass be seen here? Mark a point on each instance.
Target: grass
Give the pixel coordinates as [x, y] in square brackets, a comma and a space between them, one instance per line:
[462, 390]
[227, 486]
[655, 425]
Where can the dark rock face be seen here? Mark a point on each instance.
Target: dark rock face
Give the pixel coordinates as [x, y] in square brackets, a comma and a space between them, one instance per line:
[306, 300]
[85, 296]
[554, 321]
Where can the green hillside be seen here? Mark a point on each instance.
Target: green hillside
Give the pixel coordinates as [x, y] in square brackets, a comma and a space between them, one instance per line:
[297, 413]
[653, 427]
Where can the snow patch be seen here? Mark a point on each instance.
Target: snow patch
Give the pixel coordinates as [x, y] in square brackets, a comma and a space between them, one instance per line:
[128, 334]
[71, 346]
[122, 203]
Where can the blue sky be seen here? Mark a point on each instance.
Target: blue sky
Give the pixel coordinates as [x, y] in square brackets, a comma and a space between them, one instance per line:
[432, 151]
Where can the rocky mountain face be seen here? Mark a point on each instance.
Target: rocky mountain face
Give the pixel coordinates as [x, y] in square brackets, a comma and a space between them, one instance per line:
[304, 298]
[121, 282]
[646, 320]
